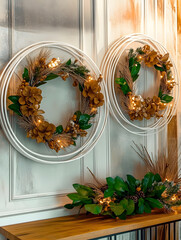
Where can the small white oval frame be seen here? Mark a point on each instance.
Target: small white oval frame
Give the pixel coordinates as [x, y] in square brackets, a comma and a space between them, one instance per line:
[108, 68]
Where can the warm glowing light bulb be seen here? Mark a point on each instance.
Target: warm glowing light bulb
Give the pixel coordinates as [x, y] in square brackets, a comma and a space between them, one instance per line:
[54, 63]
[39, 121]
[89, 78]
[174, 197]
[58, 140]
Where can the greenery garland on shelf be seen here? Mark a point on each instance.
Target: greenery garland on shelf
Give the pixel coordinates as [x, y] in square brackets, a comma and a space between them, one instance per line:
[136, 106]
[26, 103]
[119, 198]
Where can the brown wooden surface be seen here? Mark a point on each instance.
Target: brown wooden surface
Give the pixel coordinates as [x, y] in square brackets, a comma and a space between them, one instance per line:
[83, 227]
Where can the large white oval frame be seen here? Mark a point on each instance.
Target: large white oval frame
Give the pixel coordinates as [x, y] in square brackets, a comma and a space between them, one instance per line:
[5, 78]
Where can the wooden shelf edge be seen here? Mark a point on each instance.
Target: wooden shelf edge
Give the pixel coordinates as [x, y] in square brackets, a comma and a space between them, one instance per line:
[84, 227]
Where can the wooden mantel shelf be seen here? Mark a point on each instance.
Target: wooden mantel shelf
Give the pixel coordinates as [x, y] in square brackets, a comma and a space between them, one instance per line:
[83, 227]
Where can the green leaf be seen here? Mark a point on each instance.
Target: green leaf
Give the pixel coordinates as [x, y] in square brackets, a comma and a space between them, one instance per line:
[161, 69]
[14, 99]
[109, 213]
[131, 62]
[76, 196]
[81, 88]
[135, 70]
[160, 93]
[84, 119]
[108, 193]
[68, 62]
[135, 77]
[138, 182]
[85, 126]
[131, 207]
[139, 50]
[131, 183]
[131, 53]
[157, 178]
[117, 208]
[83, 190]
[166, 98]
[15, 108]
[51, 76]
[25, 75]
[80, 70]
[59, 129]
[147, 208]
[147, 181]
[124, 203]
[93, 208]
[141, 205]
[154, 203]
[86, 201]
[122, 216]
[69, 206]
[140, 202]
[124, 85]
[110, 182]
[120, 185]
[131, 180]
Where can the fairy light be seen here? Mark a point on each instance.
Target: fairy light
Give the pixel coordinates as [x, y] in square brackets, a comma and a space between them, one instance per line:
[59, 141]
[93, 110]
[174, 197]
[105, 201]
[38, 122]
[140, 57]
[89, 78]
[54, 63]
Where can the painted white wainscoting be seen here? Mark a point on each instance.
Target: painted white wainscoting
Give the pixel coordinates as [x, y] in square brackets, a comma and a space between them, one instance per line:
[30, 190]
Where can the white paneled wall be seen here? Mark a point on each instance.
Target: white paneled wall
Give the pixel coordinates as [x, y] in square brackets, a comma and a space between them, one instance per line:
[30, 190]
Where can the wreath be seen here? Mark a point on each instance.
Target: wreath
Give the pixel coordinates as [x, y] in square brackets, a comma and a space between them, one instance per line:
[26, 103]
[136, 106]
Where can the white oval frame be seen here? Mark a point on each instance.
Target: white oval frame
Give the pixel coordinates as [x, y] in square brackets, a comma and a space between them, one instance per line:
[108, 68]
[5, 78]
